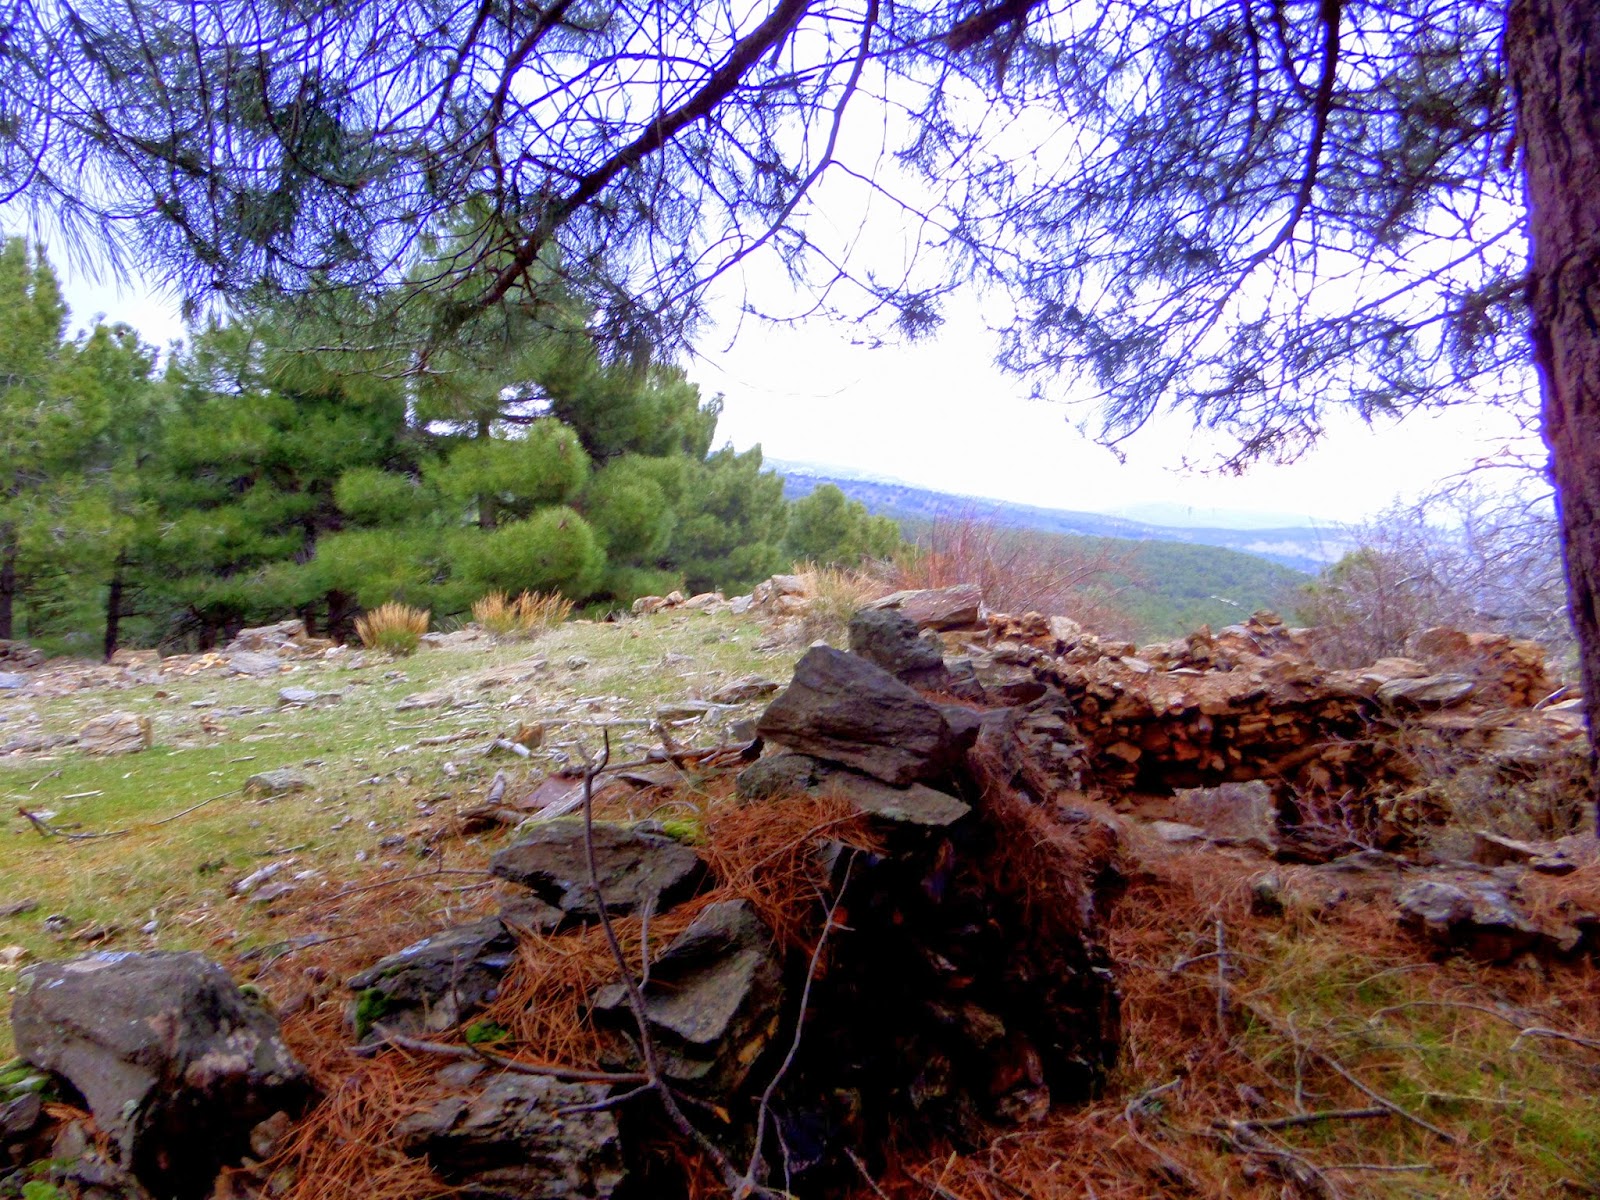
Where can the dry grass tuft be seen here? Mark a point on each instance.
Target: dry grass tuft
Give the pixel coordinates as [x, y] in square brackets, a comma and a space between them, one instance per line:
[531, 613]
[394, 627]
[836, 594]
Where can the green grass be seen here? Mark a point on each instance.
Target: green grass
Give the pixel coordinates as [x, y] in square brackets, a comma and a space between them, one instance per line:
[180, 875]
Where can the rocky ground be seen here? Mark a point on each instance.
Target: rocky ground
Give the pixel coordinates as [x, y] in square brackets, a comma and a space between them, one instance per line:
[985, 907]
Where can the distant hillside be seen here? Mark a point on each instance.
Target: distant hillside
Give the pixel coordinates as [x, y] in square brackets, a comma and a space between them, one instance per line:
[1172, 581]
[1301, 547]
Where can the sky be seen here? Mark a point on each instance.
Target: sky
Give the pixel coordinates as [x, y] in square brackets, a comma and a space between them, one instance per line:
[941, 415]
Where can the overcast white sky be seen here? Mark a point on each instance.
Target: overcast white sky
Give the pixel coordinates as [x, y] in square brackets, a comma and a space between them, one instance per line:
[941, 415]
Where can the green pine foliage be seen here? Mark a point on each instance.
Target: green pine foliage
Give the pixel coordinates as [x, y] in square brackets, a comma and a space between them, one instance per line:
[256, 478]
[830, 530]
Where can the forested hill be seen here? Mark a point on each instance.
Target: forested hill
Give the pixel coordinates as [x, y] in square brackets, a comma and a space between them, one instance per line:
[1300, 547]
[1165, 580]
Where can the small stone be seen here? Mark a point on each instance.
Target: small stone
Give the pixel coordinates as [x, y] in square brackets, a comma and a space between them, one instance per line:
[10, 682]
[435, 984]
[686, 710]
[521, 1138]
[419, 700]
[12, 957]
[20, 1117]
[115, 733]
[743, 691]
[273, 891]
[712, 1001]
[279, 782]
[1177, 833]
[258, 877]
[246, 662]
[577, 662]
[296, 696]
[18, 908]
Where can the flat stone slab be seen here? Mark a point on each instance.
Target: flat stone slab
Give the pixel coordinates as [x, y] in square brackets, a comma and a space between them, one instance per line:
[713, 998]
[796, 774]
[635, 868]
[846, 710]
[435, 984]
[518, 1139]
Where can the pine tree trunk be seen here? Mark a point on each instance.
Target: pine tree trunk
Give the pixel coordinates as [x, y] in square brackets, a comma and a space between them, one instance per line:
[114, 608]
[8, 579]
[1553, 51]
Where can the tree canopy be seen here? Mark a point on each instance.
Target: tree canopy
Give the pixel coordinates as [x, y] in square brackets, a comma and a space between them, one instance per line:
[1246, 210]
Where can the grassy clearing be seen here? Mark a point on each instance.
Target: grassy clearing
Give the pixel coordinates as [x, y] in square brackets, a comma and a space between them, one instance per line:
[374, 782]
[1305, 991]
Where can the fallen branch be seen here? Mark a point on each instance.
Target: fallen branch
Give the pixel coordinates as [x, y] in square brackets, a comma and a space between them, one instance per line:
[47, 830]
[1339, 1069]
[1312, 1118]
[630, 986]
[552, 1070]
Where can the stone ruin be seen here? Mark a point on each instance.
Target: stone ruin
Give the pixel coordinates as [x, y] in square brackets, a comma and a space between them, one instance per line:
[966, 987]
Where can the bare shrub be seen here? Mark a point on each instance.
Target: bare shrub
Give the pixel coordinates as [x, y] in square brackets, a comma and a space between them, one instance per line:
[397, 628]
[1477, 561]
[1019, 571]
[835, 595]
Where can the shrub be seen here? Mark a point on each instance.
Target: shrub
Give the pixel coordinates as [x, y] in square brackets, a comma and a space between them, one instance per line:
[397, 628]
[1017, 570]
[552, 550]
[529, 614]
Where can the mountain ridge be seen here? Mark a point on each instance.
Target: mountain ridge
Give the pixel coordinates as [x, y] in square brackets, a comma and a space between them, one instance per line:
[1305, 548]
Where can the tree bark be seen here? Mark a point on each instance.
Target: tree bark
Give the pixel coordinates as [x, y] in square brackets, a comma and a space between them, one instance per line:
[114, 608]
[8, 579]
[1553, 52]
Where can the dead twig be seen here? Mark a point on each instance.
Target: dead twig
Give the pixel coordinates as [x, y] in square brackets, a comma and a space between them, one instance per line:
[1344, 1072]
[1312, 1118]
[552, 1070]
[630, 986]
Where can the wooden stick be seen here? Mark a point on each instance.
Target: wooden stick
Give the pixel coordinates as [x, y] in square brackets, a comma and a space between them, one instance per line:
[553, 1070]
[1313, 1118]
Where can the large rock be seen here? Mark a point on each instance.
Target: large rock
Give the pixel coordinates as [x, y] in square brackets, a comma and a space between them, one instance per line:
[268, 638]
[175, 1062]
[435, 984]
[1486, 919]
[892, 641]
[937, 608]
[636, 869]
[115, 733]
[518, 1139]
[1427, 693]
[20, 655]
[712, 1001]
[795, 774]
[843, 709]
